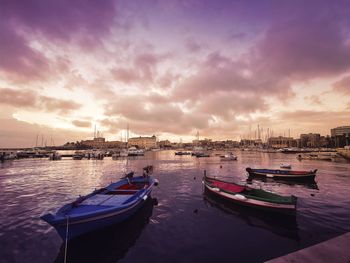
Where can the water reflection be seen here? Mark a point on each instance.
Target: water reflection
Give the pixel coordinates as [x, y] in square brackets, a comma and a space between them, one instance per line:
[109, 244]
[310, 184]
[279, 224]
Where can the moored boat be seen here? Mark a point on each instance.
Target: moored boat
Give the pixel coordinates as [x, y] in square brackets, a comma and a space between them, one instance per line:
[246, 196]
[228, 157]
[183, 153]
[286, 166]
[55, 156]
[198, 155]
[78, 155]
[283, 174]
[103, 207]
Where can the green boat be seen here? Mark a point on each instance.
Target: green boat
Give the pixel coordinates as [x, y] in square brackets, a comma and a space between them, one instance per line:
[247, 196]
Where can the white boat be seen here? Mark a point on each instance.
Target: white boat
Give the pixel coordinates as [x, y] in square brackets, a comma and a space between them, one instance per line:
[286, 166]
[123, 153]
[133, 151]
[228, 157]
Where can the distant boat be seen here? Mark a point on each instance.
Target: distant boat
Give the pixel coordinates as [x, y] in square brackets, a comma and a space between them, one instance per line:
[199, 155]
[286, 166]
[78, 155]
[7, 156]
[55, 156]
[133, 151]
[183, 153]
[283, 174]
[98, 155]
[246, 196]
[123, 153]
[115, 155]
[103, 207]
[228, 157]
[321, 156]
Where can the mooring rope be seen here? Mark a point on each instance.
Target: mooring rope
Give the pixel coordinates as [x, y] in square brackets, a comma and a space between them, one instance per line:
[66, 245]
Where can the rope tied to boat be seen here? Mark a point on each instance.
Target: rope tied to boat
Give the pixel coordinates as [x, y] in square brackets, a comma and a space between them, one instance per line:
[66, 242]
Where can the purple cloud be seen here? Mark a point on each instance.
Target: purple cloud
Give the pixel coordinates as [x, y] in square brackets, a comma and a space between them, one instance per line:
[61, 21]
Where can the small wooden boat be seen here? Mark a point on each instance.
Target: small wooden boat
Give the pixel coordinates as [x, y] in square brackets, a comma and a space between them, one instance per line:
[246, 196]
[103, 207]
[283, 174]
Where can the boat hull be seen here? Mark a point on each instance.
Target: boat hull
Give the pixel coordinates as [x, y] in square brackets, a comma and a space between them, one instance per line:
[283, 174]
[83, 226]
[288, 209]
[103, 207]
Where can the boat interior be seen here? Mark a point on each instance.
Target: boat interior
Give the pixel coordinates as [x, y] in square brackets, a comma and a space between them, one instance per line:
[127, 189]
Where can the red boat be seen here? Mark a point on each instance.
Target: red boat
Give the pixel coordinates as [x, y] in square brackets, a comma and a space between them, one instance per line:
[246, 196]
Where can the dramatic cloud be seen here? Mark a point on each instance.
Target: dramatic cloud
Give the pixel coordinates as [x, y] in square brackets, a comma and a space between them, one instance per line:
[343, 85]
[15, 133]
[174, 67]
[82, 124]
[30, 99]
[62, 21]
[17, 98]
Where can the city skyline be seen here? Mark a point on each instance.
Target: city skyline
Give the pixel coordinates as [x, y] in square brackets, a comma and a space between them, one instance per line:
[172, 68]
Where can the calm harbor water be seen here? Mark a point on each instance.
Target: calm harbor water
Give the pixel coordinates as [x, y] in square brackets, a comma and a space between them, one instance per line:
[180, 223]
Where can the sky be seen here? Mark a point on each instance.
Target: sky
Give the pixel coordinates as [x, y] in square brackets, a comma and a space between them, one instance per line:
[171, 68]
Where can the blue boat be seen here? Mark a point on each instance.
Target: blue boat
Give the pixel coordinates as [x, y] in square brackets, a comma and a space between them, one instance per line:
[103, 207]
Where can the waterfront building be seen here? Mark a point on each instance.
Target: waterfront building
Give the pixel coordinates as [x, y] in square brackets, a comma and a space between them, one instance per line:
[143, 142]
[341, 136]
[203, 143]
[101, 143]
[97, 143]
[281, 142]
[165, 144]
[310, 140]
[246, 142]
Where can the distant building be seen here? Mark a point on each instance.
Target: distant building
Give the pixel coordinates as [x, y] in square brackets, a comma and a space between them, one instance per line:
[97, 143]
[281, 142]
[312, 140]
[246, 142]
[340, 131]
[204, 143]
[143, 142]
[164, 144]
[341, 136]
[101, 143]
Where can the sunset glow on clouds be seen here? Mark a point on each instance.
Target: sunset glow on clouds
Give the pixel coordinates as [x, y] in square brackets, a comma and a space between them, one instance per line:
[171, 68]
